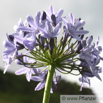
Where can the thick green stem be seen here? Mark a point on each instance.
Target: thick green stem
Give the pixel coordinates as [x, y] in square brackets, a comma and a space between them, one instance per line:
[48, 84]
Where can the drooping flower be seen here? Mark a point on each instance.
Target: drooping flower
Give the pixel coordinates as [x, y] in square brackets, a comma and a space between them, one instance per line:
[86, 74]
[42, 79]
[26, 70]
[8, 60]
[85, 80]
[29, 41]
[90, 59]
[10, 47]
[10, 52]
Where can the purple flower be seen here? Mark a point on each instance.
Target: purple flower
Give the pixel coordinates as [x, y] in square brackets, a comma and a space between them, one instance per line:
[92, 64]
[53, 17]
[74, 27]
[10, 52]
[86, 73]
[49, 32]
[90, 58]
[31, 25]
[89, 52]
[10, 47]
[29, 41]
[8, 60]
[84, 80]
[97, 50]
[93, 68]
[42, 78]
[85, 52]
[26, 70]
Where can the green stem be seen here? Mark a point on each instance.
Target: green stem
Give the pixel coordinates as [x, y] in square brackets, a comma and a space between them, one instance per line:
[48, 84]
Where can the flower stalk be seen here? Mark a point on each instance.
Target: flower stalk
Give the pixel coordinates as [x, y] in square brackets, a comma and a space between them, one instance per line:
[48, 84]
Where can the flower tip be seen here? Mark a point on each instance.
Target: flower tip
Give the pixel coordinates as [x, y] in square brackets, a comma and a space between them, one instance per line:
[17, 73]
[4, 42]
[28, 80]
[82, 22]
[86, 32]
[20, 23]
[100, 79]
[38, 13]
[50, 7]
[30, 18]
[35, 89]
[4, 72]
[71, 15]
[15, 27]
[51, 10]
[7, 34]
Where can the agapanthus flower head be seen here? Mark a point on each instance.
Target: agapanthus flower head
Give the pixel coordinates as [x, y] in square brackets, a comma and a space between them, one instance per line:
[38, 36]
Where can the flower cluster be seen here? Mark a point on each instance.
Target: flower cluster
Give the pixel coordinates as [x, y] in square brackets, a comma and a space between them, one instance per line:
[39, 38]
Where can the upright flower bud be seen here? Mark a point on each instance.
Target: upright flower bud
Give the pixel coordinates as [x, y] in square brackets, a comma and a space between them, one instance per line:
[43, 16]
[51, 45]
[53, 19]
[65, 35]
[42, 40]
